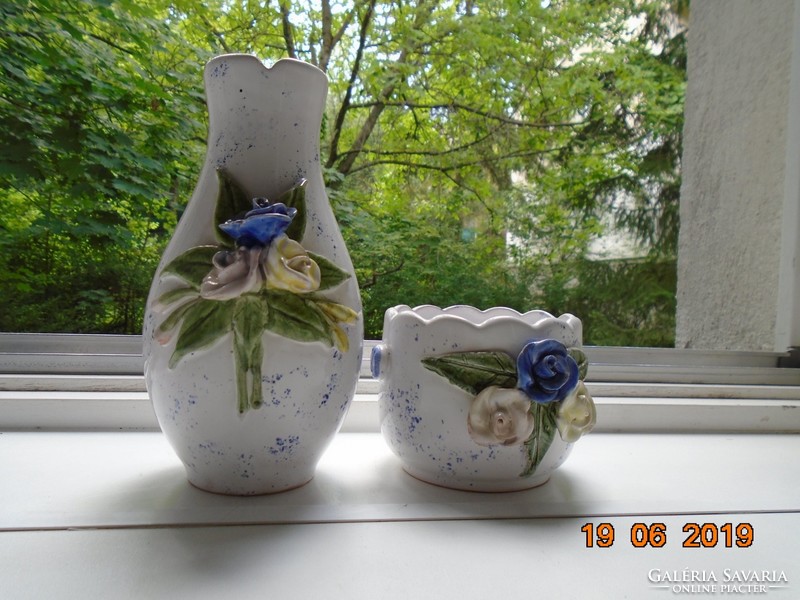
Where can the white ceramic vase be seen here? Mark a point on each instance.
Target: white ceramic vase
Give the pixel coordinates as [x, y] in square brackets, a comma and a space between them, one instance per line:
[481, 400]
[253, 327]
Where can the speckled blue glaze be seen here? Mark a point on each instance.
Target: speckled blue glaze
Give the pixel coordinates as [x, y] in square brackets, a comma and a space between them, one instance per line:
[264, 128]
[424, 417]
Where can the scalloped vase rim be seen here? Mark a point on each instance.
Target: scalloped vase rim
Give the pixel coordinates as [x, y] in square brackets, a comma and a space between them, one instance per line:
[252, 57]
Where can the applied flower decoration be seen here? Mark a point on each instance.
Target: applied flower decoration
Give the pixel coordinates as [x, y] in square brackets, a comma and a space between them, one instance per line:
[522, 400]
[290, 268]
[258, 278]
[546, 372]
[576, 415]
[500, 416]
[261, 225]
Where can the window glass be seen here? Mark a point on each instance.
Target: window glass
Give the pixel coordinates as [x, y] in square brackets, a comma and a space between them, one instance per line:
[524, 154]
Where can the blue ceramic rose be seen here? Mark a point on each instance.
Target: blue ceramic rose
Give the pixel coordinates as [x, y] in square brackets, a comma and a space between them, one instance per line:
[546, 372]
[263, 254]
[261, 225]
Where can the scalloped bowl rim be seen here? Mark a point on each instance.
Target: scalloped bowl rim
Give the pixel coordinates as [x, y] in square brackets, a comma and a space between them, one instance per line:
[464, 313]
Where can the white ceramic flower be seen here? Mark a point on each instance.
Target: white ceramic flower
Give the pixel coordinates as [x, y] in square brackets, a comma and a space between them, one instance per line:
[576, 415]
[290, 268]
[500, 416]
[235, 273]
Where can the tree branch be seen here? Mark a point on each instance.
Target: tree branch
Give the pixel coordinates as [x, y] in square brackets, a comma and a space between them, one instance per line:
[108, 42]
[452, 150]
[288, 37]
[470, 109]
[333, 152]
[337, 37]
[345, 165]
[374, 279]
[218, 35]
[455, 167]
[458, 182]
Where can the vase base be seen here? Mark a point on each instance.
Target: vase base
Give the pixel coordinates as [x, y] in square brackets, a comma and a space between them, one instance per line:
[491, 486]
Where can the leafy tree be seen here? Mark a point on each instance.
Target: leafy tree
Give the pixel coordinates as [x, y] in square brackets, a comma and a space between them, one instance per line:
[472, 150]
[93, 161]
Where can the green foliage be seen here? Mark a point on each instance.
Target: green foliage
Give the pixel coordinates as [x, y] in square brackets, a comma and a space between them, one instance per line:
[545, 427]
[621, 303]
[330, 274]
[204, 323]
[473, 151]
[249, 322]
[475, 371]
[204, 320]
[95, 159]
[231, 201]
[191, 266]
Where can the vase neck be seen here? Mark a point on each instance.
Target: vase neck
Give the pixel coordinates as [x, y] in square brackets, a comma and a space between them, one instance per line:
[264, 123]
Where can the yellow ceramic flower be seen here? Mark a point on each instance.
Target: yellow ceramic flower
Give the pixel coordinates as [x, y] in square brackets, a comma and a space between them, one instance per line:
[576, 415]
[290, 268]
[500, 416]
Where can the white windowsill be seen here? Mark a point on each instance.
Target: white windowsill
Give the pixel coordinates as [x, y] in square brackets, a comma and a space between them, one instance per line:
[68, 480]
[110, 514]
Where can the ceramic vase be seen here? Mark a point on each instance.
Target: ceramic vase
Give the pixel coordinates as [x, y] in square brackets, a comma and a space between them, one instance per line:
[253, 327]
[488, 401]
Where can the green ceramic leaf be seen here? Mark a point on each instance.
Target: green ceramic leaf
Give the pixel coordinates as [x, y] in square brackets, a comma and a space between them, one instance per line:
[475, 371]
[330, 274]
[543, 434]
[297, 318]
[176, 316]
[256, 398]
[242, 389]
[231, 201]
[173, 296]
[249, 322]
[193, 265]
[203, 324]
[296, 198]
[583, 363]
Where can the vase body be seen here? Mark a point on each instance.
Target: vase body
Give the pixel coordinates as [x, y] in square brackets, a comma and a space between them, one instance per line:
[251, 369]
[431, 365]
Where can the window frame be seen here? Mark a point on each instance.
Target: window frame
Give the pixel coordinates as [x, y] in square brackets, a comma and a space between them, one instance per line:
[76, 382]
[96, 381]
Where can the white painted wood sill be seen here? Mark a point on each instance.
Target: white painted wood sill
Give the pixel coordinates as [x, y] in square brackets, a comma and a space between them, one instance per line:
[110, 515]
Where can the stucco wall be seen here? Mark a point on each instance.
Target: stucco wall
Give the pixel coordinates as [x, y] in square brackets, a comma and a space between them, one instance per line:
[732, 198]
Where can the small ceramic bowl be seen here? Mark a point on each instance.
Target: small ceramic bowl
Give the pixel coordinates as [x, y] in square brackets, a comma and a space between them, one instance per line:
[488, 401]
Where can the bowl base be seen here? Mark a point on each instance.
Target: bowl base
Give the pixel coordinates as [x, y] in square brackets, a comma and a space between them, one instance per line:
[496, 487]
